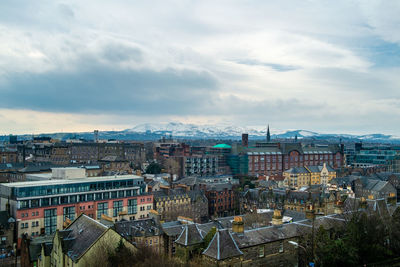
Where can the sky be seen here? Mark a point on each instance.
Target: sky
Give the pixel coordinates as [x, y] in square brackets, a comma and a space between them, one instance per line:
[325, 66]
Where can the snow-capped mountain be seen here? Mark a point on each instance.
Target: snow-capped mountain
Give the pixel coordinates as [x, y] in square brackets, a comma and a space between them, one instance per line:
[154, 131]
[178, 129]
[225, 131]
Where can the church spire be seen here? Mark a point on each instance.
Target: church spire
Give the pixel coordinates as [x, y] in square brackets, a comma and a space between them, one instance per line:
[268, 134]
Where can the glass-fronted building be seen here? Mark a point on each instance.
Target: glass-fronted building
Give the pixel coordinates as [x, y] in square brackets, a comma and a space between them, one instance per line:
[44, 206]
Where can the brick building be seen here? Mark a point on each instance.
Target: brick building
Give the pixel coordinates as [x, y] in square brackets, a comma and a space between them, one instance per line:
[268, 159]
[221, 199]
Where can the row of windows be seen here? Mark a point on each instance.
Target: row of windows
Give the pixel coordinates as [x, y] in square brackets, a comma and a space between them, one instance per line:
[75, 188]
[34, 213]
[44, 202]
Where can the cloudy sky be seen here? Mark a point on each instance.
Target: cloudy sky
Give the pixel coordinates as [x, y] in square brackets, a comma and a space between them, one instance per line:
[326, 66]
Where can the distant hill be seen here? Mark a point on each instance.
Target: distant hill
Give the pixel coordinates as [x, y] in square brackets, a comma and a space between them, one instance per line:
[155, 131]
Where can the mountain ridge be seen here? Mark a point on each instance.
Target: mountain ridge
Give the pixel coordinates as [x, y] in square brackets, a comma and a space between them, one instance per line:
[155, 131]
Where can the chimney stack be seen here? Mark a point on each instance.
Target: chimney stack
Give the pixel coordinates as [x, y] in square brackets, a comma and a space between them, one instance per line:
[245, 140]
[238, 225]
[277, 218]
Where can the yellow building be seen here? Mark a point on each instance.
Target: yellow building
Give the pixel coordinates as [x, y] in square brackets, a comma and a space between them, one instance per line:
[297, 177]
[321, 174]
[85, 242]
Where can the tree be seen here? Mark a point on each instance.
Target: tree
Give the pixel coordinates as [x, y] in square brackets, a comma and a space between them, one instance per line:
[365, 238]
[153, 168]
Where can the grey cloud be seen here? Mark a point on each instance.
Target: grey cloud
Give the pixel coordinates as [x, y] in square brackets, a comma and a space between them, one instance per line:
[102, 89]
[116, 52]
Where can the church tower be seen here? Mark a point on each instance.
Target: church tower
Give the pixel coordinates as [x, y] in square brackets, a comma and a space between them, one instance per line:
[268, 134]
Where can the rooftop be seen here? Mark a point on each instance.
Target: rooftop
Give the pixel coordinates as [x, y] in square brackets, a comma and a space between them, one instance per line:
[73, 181]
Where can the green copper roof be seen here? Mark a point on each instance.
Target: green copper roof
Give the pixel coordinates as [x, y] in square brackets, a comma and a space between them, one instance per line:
[222, 146]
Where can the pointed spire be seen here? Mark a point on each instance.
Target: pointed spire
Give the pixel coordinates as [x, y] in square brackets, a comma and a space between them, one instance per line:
[268, 134]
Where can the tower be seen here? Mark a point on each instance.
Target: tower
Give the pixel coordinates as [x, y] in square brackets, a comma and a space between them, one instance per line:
[268, 134]
[96, 136]
[245, 140]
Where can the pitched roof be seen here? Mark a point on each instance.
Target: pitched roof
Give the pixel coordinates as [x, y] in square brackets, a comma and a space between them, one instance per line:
[263, 235]
[190, 235]
[295, 170]
[222, 246]
[79, 236]
[138, 228]
[4, 219]
[113, 158]
[35, 246]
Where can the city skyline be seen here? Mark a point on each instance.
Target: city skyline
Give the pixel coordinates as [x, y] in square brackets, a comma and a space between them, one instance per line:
[315, 65]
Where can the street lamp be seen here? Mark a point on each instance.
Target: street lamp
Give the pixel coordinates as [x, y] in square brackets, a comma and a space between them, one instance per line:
[311, 264]
[297, 245]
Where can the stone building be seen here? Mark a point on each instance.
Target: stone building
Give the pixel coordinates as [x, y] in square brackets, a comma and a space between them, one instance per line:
[374, 189]
[85, 242]
[7, 231]
[145, 232]
[297, 177]
[171, 203]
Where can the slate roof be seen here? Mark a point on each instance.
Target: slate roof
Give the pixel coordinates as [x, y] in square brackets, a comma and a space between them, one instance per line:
[190, 235]
[222, 246]
[138, 228]
[347, 180]
[81, 235]
[113, 159]
[173, 230]
[295, 215]
[219, 186]
[4, 219]
[11, 166]
[35, 246]
[159, 195]
[264, 235]
[297, 170]
[197, 195]
[373, 184]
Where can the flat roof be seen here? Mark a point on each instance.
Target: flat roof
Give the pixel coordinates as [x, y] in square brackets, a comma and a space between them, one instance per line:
[71, 181]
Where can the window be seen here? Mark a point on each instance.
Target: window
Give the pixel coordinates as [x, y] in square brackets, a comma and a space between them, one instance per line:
[64, 199]
[69, 212]
[54, 201]
[102, 208]
[117, 207]
[45, 202]
[34, 203]
[50, 221]
[261, 252]
[132, 206]
[281, 247]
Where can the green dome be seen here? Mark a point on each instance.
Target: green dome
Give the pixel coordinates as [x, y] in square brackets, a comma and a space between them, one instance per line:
[222, 146]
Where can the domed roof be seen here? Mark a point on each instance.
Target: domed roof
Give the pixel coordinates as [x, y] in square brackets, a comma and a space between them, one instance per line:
[222, 146]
